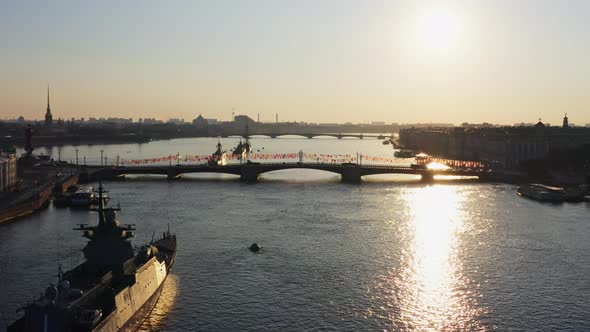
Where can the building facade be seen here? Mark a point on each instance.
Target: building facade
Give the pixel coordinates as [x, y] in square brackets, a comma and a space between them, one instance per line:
[8, 171]
[506, 146]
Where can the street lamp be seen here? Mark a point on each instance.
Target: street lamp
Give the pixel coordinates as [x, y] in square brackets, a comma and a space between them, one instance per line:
[101, 156]
[77, 158]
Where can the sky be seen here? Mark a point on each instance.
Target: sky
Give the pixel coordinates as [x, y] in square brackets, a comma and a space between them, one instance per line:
[307, 60]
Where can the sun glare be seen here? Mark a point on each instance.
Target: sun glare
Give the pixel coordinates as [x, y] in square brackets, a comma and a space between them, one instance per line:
[437, 166]
[438, 30]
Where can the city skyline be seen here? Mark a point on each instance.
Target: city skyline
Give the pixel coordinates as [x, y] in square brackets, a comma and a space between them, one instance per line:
[345, 61]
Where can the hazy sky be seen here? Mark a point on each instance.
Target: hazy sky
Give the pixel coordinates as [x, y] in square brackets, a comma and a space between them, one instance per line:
[317, 61]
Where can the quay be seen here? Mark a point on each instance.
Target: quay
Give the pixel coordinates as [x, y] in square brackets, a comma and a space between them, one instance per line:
[27, 202]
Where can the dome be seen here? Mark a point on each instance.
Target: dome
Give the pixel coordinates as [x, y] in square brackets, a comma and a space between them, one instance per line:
[540, 124]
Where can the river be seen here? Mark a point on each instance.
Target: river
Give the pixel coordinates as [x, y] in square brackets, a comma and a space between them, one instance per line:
[388, 254]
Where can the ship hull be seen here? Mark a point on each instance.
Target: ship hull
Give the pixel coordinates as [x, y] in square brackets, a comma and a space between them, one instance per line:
[122, 320]
[110, 323]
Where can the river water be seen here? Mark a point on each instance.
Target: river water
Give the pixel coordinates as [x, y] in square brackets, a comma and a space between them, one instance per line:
[389, 254]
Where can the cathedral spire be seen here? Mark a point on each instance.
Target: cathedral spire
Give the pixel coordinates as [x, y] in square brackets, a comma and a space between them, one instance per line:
[48, 115]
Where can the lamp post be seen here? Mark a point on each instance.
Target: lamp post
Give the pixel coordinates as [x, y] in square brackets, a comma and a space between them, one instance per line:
[59, 160]
[77, 165]
[101, 156]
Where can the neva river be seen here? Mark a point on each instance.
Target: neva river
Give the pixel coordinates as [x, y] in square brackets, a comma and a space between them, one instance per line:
[389, 254]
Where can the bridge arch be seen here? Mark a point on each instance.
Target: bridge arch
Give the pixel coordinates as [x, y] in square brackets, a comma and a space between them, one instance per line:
[262, 136]
[325, 135]
[290, 136]
[300, 174]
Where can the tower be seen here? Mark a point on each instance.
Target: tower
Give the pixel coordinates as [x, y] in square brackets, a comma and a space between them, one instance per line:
[565, 121]
[48, 116]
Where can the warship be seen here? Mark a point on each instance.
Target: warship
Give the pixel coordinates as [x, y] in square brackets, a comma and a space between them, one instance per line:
[218, 158]
[113, 290]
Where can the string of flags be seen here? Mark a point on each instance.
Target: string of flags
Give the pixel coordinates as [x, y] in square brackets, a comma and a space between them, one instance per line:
[300, 156]
[450, 162]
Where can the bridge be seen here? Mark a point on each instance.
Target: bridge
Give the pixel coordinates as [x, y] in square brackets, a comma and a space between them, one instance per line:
[250, 172]
[310, 135]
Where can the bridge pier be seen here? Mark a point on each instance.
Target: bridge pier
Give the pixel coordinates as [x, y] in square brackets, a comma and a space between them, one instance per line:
[351, 174]
[172, 174]
[427, 177]
[249, 173]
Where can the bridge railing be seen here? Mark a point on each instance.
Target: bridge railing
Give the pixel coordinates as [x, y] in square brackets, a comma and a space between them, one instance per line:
[265, 157]
[269, 164]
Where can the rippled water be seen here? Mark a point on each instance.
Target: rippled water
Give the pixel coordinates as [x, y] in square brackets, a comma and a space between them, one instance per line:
[387, 254]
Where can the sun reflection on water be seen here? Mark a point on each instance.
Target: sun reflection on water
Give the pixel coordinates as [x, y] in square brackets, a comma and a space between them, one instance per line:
[155, 321]
[432, 286]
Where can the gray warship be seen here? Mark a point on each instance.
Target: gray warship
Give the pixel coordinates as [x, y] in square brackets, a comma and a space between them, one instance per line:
[218, 158]
[113, 290]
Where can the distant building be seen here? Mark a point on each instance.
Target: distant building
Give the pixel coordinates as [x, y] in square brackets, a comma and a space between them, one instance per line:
[243, 120]
[176, 121]
[378, 123]
[8, 164]
[200, 122]
[149, 121]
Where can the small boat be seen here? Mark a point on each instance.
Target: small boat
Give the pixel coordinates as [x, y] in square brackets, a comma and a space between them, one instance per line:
[544, 193]
[63, 199]
[83, 197]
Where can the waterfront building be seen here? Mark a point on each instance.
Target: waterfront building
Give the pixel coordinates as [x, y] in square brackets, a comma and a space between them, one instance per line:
[506, 146]
[8, 171]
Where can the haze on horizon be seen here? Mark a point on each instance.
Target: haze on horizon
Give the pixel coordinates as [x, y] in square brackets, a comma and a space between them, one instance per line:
[316, 61]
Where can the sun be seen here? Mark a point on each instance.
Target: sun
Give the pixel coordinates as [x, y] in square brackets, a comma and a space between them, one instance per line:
[438, 30]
